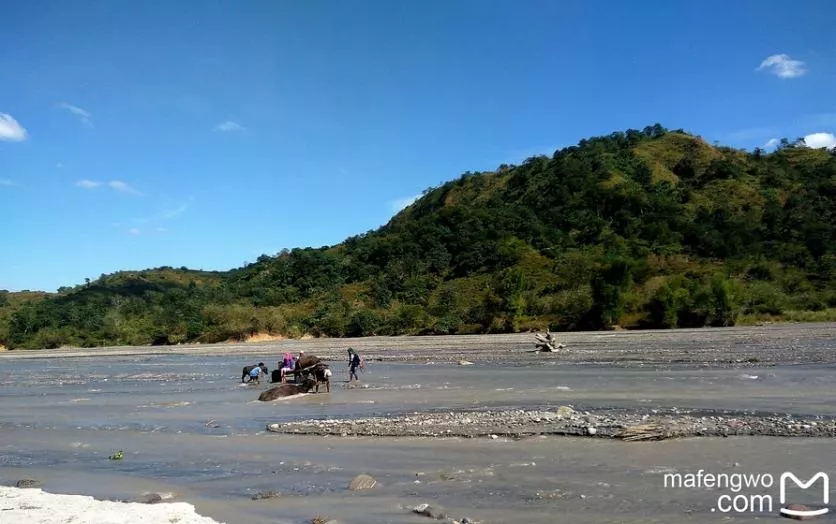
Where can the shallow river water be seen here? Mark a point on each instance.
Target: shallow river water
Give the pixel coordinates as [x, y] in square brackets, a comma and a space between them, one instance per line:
[188, 427]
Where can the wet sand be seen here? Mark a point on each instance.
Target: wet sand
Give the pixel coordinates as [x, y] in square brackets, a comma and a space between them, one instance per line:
[187, 427]
[490, 480]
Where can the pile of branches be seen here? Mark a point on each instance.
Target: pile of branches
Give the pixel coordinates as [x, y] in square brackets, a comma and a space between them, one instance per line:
[646, 432]
[548, 343]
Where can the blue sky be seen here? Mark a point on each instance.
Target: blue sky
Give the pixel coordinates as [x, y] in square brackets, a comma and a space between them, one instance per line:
[205, 133]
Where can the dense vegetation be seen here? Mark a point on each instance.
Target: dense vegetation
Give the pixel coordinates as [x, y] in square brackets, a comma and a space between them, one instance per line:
[650, 229]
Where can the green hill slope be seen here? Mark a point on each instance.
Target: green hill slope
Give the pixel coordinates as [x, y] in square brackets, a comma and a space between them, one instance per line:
[649, 228]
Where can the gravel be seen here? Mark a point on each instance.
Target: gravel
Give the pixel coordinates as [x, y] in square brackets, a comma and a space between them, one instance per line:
[623, 424]
[743, 347]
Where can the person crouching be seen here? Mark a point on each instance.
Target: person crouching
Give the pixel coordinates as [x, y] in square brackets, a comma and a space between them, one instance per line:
[253, 373]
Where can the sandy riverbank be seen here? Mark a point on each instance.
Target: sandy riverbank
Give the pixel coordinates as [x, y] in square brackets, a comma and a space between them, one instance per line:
[35, 506]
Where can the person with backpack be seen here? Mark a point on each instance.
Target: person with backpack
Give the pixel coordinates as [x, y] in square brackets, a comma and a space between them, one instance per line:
[354, 361]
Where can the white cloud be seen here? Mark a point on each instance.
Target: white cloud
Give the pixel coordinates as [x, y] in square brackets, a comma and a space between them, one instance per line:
[400, 204]
[162, 230]
[84, 115]
[229, 125]
[772, 142]
[10, 130]
[7, 182]
[174, 213]
[59, 165]
[783, 66]
[118, 185]
[820, 140]
[88, 184]
[166, 214]
[134, 231]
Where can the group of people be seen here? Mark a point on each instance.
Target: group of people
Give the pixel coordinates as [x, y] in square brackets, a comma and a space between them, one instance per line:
[289, 365]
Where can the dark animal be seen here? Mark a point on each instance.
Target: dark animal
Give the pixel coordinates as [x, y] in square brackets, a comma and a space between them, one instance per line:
[306, 362]
[322, 375]
[304, 367]
[286, 390]
[245, 375]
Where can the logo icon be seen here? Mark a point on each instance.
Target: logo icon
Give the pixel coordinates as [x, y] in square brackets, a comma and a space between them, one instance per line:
[805, 485]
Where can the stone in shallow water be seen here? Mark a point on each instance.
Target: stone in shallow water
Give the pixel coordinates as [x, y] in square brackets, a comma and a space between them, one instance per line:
[28, 483]
[433, 512]
[361, 482]
[263, 495]
[150, 498]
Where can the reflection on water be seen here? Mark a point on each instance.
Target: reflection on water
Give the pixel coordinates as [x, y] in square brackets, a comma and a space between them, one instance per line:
[187, 426]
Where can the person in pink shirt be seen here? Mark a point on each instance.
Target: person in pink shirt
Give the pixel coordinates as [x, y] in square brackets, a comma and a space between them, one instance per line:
[288, 365]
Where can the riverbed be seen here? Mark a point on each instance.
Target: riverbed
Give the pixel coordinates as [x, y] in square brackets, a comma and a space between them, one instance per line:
[189, 429]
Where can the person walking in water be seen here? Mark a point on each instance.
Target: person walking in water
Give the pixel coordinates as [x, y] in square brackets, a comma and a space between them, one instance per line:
[354, 362]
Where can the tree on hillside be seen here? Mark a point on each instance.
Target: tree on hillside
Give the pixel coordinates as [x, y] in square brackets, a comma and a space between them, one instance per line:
[653, 228]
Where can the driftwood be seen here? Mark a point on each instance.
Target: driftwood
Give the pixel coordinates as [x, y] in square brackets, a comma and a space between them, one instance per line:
[548, 343]
[646, 432]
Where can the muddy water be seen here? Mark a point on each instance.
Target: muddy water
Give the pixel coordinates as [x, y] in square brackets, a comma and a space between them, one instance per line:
[189, 428]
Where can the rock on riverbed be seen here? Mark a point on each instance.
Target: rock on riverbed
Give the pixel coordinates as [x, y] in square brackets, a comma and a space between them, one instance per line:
[361, 482]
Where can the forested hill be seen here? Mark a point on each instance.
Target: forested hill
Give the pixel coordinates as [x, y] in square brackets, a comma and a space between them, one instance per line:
[649, 228]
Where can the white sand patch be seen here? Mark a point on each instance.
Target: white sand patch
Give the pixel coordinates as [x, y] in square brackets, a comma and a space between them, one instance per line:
[34, 506]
